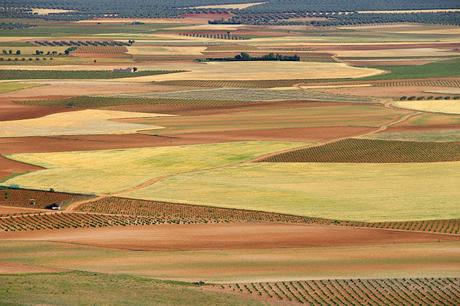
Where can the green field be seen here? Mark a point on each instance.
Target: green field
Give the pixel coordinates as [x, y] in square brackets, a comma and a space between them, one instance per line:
[82, 74]
[88, 171]
[84, 288]
[361, 192]
[435, 135]
[448, 68]
[98, 102]
[13, 86]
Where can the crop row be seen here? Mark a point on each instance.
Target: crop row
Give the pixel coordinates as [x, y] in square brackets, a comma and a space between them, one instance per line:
[184, 212]
[80, 43]
[419, 83]
[189, 213]
[451, 226]
[35, 198]
[373, 151]
[421, 98]
[102, 50]
[63, 220]
[406, 291]
[214, 36]
[234, 84]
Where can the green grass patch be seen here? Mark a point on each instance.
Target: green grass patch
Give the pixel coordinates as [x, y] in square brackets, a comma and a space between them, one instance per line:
[449, 68]
[98, 102]
[85, 288]
[339, 191]
[82, 74]
[88, 171]
[13, 86]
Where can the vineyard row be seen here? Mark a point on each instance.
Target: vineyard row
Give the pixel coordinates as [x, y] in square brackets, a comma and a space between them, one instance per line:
[406, 291]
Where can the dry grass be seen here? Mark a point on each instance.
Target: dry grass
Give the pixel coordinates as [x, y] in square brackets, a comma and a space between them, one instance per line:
[75, 123]
[265, 71]
[238, 6]
[433, 106]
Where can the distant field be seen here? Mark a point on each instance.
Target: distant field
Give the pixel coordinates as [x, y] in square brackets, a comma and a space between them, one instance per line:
[244, 94]
[13, 86]
[434, 106]
[281, 117]
[438, 259]
[84, 288]
[88, 171]
[84, 122]
[426, 135]
[449, 68]
[372, 151]
[55, 74]
[234, 71]
[360, 192]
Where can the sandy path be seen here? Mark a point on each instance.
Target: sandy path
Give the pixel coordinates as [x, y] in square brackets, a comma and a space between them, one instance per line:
[227, 236]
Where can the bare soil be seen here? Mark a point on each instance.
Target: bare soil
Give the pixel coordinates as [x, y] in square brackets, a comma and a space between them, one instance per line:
[227, 236]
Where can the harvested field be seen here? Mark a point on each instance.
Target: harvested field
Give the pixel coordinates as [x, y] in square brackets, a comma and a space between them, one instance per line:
[438, 259]
[10, 168]
[434, 106]
[269, 117]
[87, 171]
[13, 111]
[14, 86]
[371, 192]
[234, 71]
[75, 123]
[410, 291]
[60, 88]
[372, 151]
[37, 199]
[253, 95]
[34, 74]
[105, 142]
[224, 236]
[307, 134]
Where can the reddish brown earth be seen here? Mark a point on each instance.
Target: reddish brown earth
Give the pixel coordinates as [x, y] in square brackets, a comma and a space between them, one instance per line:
[90, 142]
[14, 268]
[101, 142]
[5, 210]
[9, 167]
[294, 134]
[226, 236]
[12, 111]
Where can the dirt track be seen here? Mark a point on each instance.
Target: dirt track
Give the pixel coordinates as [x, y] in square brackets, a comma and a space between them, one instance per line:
[227, 236]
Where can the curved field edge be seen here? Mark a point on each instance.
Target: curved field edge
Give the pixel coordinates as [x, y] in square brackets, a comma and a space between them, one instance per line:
[84, 288]
[372, 151]
[130, 169]
[339, 191]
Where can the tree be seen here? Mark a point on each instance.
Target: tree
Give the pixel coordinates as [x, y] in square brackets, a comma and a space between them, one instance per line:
[18, 52]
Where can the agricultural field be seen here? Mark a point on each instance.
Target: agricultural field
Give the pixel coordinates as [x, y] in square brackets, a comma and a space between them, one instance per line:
[397, 291]
[229, 152]
[74, 123]
[305, 189]
[132, 168]
[372, 151]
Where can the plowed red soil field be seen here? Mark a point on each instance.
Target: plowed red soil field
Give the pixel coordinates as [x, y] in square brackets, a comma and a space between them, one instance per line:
[226, 236]
[12, 111]
[9, 167]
